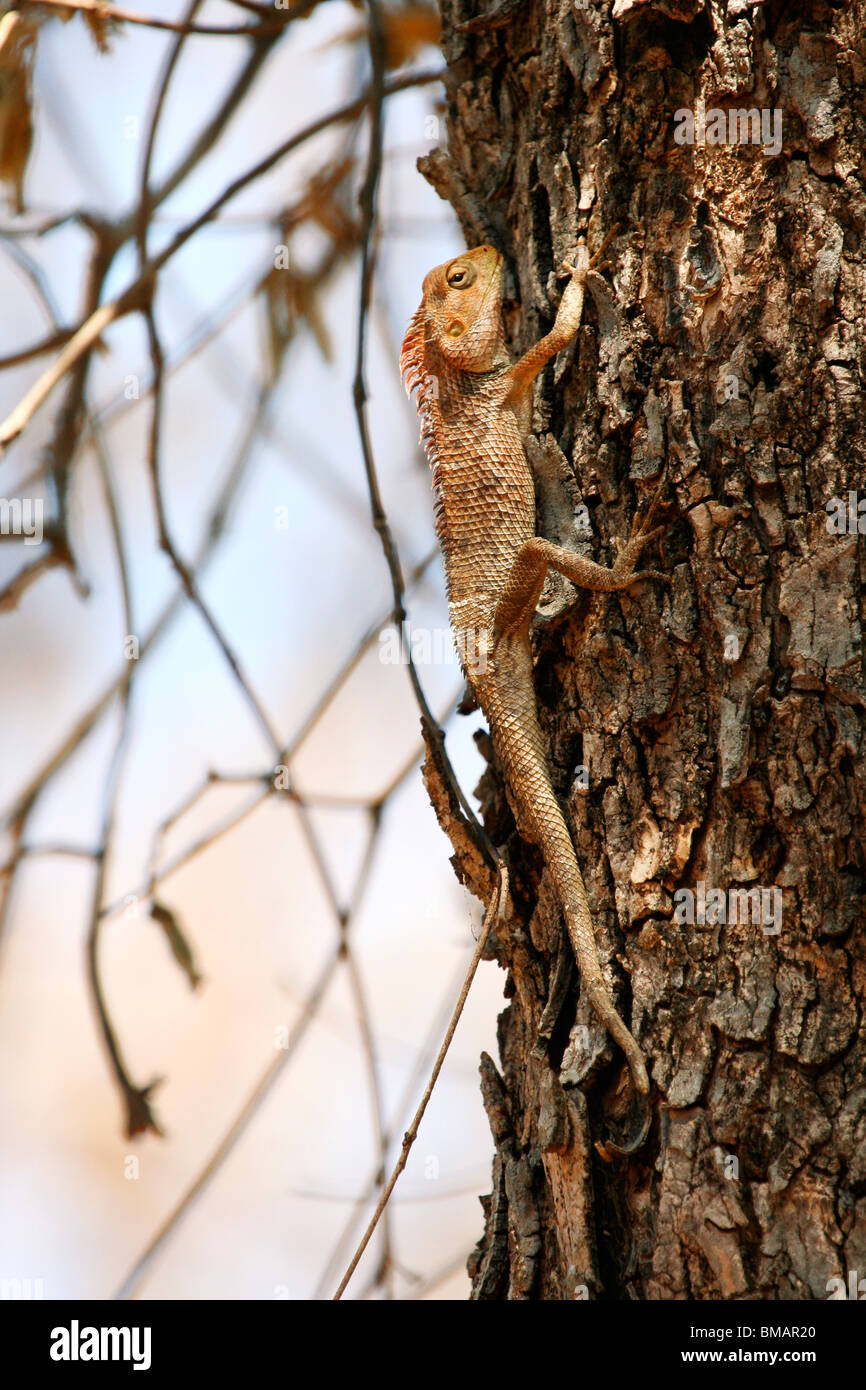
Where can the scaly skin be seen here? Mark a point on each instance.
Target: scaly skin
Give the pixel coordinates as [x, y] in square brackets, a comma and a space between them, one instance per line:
[475, 409]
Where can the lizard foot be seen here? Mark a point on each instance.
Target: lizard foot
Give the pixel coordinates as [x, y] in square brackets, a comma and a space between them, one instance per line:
[642, 534]
[595, 261]
[584, 262]
[642, 522]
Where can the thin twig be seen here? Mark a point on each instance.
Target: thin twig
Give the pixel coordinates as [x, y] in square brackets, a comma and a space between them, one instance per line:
[420, 1070]
[49, 344]
[136, 1099]
[496, 911]
[144, 208]
[20, 582]
[106, 11]
[183, 571]
[85, 338]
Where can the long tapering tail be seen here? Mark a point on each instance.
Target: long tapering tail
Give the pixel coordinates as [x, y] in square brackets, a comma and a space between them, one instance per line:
[519, 743]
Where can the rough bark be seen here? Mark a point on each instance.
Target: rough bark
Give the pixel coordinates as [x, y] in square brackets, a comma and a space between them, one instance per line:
[721, 724]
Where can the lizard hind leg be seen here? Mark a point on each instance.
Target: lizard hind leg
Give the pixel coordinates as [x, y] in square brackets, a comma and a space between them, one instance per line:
[521, 591]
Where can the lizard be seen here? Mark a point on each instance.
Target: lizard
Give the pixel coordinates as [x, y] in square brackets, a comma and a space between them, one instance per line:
[475, 407]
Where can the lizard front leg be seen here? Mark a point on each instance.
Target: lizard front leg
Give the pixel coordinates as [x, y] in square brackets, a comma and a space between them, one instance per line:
[518, 378]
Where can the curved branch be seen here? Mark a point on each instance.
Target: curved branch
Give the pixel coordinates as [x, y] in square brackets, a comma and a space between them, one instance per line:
[133, 297]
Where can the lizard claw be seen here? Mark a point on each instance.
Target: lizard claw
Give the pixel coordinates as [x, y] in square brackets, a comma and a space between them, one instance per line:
[642, 534]
[627, 558]
[643, 521]
[646, 536]
[595, 258]
[585, 262]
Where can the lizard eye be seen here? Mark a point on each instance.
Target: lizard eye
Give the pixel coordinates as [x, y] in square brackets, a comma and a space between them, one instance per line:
[460, 276]
[455, 328]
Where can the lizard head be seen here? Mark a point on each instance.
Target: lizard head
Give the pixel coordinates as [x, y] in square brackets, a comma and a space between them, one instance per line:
[462, 304]
[458, 325]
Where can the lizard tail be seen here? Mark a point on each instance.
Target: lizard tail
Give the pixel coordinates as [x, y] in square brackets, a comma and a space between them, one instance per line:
[578, 919]
[519, 745]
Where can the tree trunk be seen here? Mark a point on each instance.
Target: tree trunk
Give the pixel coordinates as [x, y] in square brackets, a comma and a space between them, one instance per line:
[708, 737]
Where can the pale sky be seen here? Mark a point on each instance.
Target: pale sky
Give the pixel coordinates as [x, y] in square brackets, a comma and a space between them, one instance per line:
[295, 584]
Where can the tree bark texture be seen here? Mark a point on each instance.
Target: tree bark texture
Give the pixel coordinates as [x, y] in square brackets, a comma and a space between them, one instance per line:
[720, 721]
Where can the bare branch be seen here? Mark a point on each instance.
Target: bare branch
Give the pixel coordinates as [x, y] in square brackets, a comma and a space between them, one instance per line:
[139, 291]
[106, 11]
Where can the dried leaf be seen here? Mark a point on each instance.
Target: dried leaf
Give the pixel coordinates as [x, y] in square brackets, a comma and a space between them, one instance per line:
[290, 298]
[17, 54]
[325, 201]
[274, 323]
[406, 30]
[180, 947]
[140, 1117]
[307, 307]
[103, 28]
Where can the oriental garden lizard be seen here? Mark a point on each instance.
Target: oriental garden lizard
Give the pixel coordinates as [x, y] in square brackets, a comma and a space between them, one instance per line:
[475, 408]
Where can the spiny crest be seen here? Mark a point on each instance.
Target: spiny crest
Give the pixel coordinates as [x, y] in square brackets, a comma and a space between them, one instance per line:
[414, 367]
[418, 378]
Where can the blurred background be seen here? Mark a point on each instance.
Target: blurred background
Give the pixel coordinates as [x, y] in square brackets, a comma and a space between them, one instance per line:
[210, 776]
